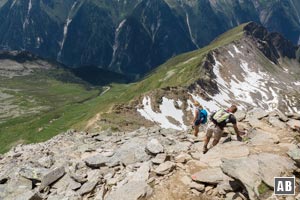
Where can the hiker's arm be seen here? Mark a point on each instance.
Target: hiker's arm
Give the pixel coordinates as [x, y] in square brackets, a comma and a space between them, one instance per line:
[238, 133]
[195, 116]
[236, 129]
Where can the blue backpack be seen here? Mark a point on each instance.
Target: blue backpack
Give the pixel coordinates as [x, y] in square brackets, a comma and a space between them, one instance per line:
[203, 116]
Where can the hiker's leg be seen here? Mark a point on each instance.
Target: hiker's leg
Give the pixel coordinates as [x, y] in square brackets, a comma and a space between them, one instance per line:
[217, 135]
[196, 130]
[207, 137]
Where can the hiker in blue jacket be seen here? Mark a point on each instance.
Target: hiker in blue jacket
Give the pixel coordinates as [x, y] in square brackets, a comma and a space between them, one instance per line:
[200, 117]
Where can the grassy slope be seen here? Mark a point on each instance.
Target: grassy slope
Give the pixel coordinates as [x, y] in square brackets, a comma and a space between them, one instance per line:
[48, 91]
[72, 105]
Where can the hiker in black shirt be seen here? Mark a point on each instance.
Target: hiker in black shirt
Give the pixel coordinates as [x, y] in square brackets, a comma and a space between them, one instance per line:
[219, 121]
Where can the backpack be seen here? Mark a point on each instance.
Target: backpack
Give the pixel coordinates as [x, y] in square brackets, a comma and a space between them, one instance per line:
[202, 116]
[220, 117]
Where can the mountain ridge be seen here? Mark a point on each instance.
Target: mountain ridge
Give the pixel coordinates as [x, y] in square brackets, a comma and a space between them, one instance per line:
[104, 45]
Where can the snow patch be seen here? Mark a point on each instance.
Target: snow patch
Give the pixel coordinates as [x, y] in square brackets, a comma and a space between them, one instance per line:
[237, 50]
[167, 108]
[297, 83]
[190, 30]
[231, 53]
[66, 26]
[13, 3]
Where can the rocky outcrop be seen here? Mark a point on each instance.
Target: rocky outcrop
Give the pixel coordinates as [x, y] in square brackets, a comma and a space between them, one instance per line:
[273, 45]
[154, 163]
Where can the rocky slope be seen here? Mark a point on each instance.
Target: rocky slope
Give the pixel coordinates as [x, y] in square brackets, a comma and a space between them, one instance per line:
[257, 69]
[155, 163]
[134, 36]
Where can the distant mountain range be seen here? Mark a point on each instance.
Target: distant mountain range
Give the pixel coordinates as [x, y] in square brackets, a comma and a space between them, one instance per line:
[132, 37]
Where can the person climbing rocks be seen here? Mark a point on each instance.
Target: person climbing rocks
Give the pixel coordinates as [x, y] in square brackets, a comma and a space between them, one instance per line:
[218, 122]
[200, 117]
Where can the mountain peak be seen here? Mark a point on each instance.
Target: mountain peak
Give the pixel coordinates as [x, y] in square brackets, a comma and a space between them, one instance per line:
[272, 44]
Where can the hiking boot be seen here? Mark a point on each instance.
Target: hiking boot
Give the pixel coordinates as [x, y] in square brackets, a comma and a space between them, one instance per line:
[205, 150]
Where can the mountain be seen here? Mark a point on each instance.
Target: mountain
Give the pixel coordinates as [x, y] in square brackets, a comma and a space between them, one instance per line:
[132, 37]
[247, 66]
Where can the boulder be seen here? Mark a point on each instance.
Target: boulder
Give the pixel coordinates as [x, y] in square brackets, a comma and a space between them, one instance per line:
[240, 115]
[33, 173]
[159, 158]
[197, 186]
[275, 122]
[142, 174]
[228, 150]
[165, 168]
[52, 176]
[263, 138]
[96, 161]
[252, 170]
[282, 116]
[295, 155]
[66, 183]
[183, 158]
[257, 113]
[154, 147]
[132, 190]
[292, 123]
[211, 176]
[87, 187]
[293, 116]
[132, 151]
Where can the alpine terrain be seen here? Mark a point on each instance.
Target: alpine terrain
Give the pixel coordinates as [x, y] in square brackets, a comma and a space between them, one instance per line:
[135, 141]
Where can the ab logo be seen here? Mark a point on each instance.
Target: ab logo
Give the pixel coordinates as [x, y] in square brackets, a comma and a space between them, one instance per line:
[284, 186]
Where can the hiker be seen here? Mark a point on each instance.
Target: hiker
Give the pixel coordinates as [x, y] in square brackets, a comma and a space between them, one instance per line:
[200, 117]
[219, 120]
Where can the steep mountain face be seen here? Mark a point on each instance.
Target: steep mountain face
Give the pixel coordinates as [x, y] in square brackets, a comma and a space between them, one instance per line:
[132, 37]
[257, 70]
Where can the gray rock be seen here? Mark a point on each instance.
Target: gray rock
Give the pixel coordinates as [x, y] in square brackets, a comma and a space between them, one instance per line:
[255, 123]
[96, 161]
[295, 155]
[293, 116]
[133, 190]
[211, 176]
[132, 151]
[257, 113]
[251, 171]
[282, 116]
[154, 147]
[183, 158]
[263, 138]
[274, 121]
[29, 195]
[87, 187]
[160, 158]
[197, 186]
[66, 183]
[227, 150]
[292, 123]
[33, 173]
[80, 178]
[52, 176]
[142, 174]
[227, 186]
[240, 115]
[165, 168]
[46, 162]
